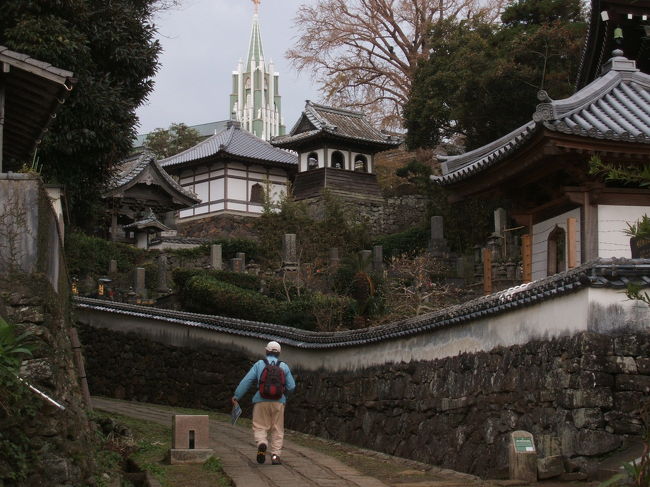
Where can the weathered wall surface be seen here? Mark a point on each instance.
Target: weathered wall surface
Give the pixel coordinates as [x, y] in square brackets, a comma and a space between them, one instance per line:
[59, 439]
[390, 215]
[580, 396]
[34, 297]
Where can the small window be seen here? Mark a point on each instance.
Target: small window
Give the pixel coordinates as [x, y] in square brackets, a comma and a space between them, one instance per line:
[556, 251]
[257, 194]
[360, 163]
[338, 160]
[312, 161]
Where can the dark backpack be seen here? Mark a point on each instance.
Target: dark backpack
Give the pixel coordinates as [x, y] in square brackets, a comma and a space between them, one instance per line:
[272, 381]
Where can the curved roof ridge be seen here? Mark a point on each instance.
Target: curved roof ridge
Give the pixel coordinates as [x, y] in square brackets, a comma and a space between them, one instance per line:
[490, 147]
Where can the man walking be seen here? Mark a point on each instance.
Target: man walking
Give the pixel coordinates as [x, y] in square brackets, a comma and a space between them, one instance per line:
[274, 380]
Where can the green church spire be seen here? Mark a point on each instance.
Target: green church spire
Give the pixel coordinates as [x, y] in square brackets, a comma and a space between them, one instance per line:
[255, 98]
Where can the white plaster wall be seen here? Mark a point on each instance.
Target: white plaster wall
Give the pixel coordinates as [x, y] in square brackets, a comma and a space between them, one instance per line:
[612, 223]
[540, 238]
[590, 309]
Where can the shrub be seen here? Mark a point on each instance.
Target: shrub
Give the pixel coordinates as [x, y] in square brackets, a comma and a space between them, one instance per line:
[239, 279]
[204, 294]
[86, 255]
[410, 241]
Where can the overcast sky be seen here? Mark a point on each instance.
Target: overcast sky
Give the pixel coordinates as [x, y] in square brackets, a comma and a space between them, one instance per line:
[202, 43]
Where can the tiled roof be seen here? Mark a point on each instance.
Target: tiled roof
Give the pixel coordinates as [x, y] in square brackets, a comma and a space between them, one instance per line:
[335, 121]
[148, 221]
[602, 273]
[235, 141]
[131, 167]
[616, 106]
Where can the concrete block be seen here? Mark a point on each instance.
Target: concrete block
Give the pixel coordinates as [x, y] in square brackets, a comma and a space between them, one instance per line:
[190, 431]
[182, 455]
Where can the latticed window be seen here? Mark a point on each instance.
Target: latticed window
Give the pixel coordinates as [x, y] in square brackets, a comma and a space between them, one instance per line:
[556, 248]
[257, 193]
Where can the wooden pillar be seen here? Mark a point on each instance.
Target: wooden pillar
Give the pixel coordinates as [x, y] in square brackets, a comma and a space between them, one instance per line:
[4, 69]
[572, 255]
[527, 258]
[590, 233]
[487, 271]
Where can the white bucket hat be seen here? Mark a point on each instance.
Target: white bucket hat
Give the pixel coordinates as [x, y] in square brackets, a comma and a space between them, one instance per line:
[273, 347]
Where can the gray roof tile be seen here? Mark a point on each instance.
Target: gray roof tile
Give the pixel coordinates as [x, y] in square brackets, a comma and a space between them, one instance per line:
[235, 141]
[615, 106]
[338, 122]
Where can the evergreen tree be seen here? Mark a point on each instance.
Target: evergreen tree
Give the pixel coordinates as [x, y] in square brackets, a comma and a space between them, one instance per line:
[168, 142]
[481, 79]
[109, 45]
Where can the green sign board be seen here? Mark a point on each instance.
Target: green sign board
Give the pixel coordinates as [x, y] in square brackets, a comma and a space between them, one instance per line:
[524, 444]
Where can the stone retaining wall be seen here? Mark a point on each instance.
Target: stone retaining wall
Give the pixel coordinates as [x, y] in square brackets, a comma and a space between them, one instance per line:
[581, 396]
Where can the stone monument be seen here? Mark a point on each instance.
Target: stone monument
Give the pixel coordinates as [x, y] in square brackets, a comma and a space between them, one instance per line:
[190, 439]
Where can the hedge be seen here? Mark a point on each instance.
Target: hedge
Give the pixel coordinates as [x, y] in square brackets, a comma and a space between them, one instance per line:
[239, 279]
[204, 294]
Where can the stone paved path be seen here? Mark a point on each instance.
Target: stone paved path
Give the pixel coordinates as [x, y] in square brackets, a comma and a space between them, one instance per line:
[302, 466]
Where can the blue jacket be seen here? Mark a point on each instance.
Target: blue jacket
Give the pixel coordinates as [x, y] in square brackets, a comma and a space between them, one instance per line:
[253, 378]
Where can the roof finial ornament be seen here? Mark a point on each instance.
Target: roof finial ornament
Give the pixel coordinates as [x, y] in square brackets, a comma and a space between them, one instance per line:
[257, 5]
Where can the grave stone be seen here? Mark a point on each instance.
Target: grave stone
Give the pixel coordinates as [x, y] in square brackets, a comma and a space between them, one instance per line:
[190, 439]
[216, 260]
[365, 256]
[162, 273]
[236, 265]
[334, 259]
[500, 223]
[289, 253]
[242, 256]
[378, 259]
[112, 266]
[140, 285]
[438, 243]
[522, 456]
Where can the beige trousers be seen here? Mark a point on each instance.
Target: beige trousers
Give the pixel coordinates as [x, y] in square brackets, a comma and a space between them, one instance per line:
[269, 417]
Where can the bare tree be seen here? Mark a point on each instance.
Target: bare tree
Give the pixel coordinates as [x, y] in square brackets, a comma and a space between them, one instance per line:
[364, 52]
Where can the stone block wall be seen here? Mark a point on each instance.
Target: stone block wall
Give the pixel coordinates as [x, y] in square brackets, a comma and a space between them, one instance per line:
[61, 440]
[580, 396]
[390, 215]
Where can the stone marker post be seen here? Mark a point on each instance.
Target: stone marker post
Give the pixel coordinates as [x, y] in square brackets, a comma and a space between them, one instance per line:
[140, 285]
[242, 256]
[190, 439]
[500, 221]
[378, 259]
[112, 266]
[438, 242]
[216, 260]
[334, 259]
[522, 457]
[289, 252]
[236, 265]
[162, 273]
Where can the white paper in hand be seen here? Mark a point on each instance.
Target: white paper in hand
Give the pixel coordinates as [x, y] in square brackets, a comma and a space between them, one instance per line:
[236, 413]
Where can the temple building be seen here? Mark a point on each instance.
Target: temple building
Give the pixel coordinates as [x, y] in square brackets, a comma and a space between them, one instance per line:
[141, 199]
[255, 99]
[231, 172]
[542, 168]
[336, 149]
